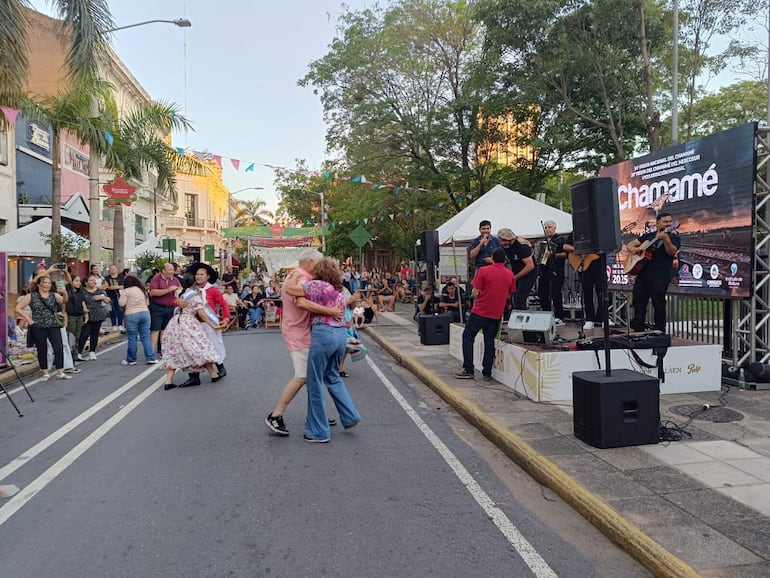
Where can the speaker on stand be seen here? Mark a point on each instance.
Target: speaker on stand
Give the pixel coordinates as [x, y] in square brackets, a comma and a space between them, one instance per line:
[429, 249]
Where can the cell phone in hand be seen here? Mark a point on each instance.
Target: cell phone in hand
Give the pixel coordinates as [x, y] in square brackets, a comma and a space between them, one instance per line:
[61, 266]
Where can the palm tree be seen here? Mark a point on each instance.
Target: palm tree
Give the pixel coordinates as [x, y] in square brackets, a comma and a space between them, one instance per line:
[69, 110]
[252, 213]
[85, 26]
[139, 147]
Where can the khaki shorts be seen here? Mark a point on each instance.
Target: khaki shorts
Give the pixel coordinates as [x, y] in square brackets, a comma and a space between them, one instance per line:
[299, 359]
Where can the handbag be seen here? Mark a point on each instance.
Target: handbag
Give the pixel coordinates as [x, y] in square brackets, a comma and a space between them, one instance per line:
[58, 316]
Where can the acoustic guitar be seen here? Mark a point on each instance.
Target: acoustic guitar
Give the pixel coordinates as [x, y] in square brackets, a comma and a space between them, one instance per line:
[581, 262]
[635, 263]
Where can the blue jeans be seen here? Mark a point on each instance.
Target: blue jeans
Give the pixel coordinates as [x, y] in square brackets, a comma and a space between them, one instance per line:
[116, 313]
[327, 346]
[475, 324]
[255, 315]
[138, 325]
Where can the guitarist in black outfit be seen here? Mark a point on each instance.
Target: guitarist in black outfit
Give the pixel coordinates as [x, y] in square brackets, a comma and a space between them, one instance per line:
[590, 270]
[653, 280]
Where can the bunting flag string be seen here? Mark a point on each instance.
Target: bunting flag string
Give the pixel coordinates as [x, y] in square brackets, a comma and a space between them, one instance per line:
[9, 113]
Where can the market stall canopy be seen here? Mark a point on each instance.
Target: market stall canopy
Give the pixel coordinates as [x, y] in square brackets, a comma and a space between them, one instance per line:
[27, 241]
[504, 208]
[152, 245]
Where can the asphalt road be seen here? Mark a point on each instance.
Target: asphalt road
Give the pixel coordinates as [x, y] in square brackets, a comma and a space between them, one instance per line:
[120, 478]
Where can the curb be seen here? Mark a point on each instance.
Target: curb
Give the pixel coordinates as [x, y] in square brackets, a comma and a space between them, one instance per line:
[8, 377]
[633, 540]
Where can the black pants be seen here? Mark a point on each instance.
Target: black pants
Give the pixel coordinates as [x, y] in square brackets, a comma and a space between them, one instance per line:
[475, 324]
[523, 289]
[41, 335]
[650, 285]
[549, 290]
[90, 331]
[591, 283]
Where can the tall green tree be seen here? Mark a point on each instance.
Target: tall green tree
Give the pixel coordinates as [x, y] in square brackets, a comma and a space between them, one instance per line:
[253, 213]
[69, 110]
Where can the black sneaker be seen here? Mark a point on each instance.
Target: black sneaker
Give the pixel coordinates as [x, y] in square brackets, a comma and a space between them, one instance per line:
[315, 441]
[275, 423]
[462, 374]
[486, 378]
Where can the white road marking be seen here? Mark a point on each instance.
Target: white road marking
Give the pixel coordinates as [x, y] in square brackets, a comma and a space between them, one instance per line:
[18, 388]
[531, 557]
[41, 446]
[30, 491]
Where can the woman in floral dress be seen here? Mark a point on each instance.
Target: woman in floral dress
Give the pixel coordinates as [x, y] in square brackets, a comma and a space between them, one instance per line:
[185, 346]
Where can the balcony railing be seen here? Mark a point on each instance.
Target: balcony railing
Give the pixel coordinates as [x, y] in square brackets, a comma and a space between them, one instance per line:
[176, 222]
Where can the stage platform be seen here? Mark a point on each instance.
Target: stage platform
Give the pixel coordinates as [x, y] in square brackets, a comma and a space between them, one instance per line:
[545, 373]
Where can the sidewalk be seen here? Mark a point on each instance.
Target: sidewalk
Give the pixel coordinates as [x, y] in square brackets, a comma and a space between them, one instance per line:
[706, 500]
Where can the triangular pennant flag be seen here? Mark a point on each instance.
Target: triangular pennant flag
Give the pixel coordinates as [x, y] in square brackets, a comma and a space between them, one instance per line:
[217, 159]
[108, 138]
[398, 190]
[382, 218]
[249, 168]
[366, 221]
[327, 174]
[236, 163]
[356, 179]
[358, 221]
[391, 216]
[375, 187]
[180, 150]
[10, 113]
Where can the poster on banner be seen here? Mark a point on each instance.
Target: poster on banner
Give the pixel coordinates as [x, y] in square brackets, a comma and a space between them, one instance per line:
[707, 185]
[453, 263]
[3, 307]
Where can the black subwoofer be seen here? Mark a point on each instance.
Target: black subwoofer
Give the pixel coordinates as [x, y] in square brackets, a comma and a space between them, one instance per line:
[616, 411]
[434, 329]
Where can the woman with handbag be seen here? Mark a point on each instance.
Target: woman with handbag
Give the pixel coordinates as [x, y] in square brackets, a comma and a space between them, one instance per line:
[77, 314]
[96, 299]
[45, 322]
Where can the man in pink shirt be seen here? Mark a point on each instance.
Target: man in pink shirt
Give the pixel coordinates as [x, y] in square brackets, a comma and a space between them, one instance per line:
[295, 328]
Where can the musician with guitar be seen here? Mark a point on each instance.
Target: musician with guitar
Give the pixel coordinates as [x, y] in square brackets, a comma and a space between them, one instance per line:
[652, 260]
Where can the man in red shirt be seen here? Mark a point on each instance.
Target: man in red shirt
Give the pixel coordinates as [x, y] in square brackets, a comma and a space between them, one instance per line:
[492, 287]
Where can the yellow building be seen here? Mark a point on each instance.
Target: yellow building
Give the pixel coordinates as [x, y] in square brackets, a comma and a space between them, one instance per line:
[511, 145]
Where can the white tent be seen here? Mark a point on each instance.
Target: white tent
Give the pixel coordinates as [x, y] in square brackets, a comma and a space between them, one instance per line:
[504, 208]
[27, 241]
[152, 245]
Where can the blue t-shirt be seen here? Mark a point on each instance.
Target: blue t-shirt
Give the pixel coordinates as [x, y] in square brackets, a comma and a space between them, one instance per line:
[484, 252]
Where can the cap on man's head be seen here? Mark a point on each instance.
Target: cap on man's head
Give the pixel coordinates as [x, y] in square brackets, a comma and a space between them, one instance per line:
[506, 234]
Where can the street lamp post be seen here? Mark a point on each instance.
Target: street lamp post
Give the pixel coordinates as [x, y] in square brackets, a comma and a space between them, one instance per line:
[230, 202]
[94, 217]
[323, 218]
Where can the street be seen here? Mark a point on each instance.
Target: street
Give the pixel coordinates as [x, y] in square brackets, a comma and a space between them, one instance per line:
[120, 478]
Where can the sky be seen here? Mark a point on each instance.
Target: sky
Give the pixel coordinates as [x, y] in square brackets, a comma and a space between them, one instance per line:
[243, 61]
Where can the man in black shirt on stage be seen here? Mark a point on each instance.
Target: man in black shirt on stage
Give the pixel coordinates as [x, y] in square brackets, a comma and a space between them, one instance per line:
[520, 259]
[551, 273]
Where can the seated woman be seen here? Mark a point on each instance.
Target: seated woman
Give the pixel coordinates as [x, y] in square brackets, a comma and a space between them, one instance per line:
[370, 309]
[255, 306]
[386, 297]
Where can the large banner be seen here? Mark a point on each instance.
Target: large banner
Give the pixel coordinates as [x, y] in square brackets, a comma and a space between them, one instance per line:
[707, 185]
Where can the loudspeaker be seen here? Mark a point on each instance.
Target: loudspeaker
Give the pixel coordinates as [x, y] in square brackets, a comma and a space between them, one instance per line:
[616, 411]
[595, 216]
[428, 247]
[531, 327]
[434, 329]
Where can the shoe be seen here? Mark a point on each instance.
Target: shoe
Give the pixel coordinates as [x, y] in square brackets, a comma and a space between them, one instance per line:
[152, 361]
[315, 441]
[558, 321]
[275, 424]
[63, 376]
[92, 356]
[167, 386]
[79, 357]
[588, 325]
[221, 370]
[352, 425]
[247, 325]
[45, 377]
[486, 378]
[125, 362]
[332, 422]
[122, 329]
[611, 323]
[344, 374]
[193, 380]
[462, 374]
[73, 370]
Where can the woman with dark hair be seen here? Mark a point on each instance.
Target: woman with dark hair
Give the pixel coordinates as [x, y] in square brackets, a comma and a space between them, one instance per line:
[77, 314]
[43, 324]
[133, 297]
[328, 342]
[96, 299]
[185, 345]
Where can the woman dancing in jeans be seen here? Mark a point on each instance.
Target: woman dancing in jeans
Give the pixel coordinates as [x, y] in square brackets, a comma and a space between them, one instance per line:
[327, 346]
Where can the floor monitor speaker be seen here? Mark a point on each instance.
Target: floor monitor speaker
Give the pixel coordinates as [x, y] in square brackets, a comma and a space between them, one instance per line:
[616, 411]
[531, 327]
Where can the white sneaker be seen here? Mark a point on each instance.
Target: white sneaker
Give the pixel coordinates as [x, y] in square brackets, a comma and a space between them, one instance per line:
[125, 362]
[92, 356]
[611, 323]
[80, 357]
[558, 321]
[588, 325]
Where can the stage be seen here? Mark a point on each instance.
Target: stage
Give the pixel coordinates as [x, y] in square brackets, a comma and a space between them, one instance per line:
[545, 373]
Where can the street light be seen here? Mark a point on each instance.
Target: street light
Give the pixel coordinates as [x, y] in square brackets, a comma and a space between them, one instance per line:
[94, 233]
[180, 22]
[230, 202]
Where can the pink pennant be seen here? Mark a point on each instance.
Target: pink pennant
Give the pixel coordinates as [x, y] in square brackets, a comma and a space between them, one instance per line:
[236, 163]
[10, 113]
[217, 159]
